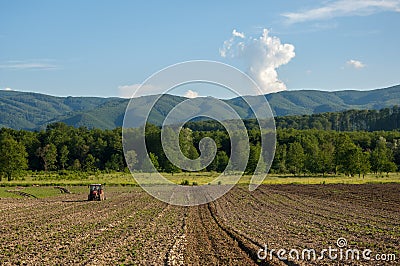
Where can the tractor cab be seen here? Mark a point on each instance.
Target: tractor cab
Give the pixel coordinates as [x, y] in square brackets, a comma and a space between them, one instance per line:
[96, 192]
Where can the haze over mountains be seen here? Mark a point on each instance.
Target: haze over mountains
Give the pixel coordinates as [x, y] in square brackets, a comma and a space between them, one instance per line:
[23, 110]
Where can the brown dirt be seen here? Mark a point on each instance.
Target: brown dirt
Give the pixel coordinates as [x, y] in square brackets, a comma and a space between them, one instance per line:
[132, 228]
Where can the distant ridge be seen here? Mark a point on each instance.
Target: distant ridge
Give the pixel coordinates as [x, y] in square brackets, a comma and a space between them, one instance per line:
[32, 111]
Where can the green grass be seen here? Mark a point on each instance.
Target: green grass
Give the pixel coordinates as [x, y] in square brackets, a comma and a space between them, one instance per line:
[70, 179]
[329, 179]
[5, 194]
[273, 179]
[49, 191]
[41, 184]
[38, 192]
[42, 192]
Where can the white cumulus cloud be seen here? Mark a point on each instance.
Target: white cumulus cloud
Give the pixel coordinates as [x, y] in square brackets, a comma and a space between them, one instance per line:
[263, 55]
[341, 8]
[355, 63]
[228, 43]
[191, 94]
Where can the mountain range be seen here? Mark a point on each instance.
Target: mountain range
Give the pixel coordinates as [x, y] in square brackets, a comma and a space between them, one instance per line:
[33, 111]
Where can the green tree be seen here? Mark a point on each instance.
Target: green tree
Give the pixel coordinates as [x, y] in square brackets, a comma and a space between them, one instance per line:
[352, 160]
[190, 151]
[396, 154]
[76, 165]
[219, 163]
[116, 162]
[279, 163]
[193, 154]
[389, 167]
[295, 158]
[342, 145]
[48, 155]
[240, 152]
[31, 142]
[222, 161]
[171, 168]
[311, 149]
[255, 159]
[171, 137]
[13, 157]
[131, 159]
[149, 164]
[365, 166]
[63, 156]
[381, 157]
[89, 163]
[154, 160]
[325, 158]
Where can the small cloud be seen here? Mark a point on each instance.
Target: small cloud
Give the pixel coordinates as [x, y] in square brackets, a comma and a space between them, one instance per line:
[8, 89]
[342, 8]
[41, 64]
[230, 42]
[238, 34]
[191, 94]
[355, 63]
[127, 91]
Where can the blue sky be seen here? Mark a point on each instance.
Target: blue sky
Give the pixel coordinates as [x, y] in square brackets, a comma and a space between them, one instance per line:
[106, 48]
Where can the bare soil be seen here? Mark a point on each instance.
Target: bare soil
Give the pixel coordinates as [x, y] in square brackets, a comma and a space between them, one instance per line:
[132, 228]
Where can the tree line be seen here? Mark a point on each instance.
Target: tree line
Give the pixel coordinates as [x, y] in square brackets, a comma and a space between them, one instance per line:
[310, 151]
[351, 120]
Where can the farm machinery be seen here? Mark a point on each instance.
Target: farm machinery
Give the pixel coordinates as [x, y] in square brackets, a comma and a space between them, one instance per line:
[96, 192]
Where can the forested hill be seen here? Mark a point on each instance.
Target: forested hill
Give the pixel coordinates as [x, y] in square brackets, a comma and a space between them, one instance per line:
[22, 110]
[351, 120]
[313, 102]
[26, 110]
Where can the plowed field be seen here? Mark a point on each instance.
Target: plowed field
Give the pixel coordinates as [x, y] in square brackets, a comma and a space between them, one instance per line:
[132, 228]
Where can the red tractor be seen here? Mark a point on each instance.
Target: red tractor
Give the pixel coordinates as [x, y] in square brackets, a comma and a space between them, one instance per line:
[96, 192]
